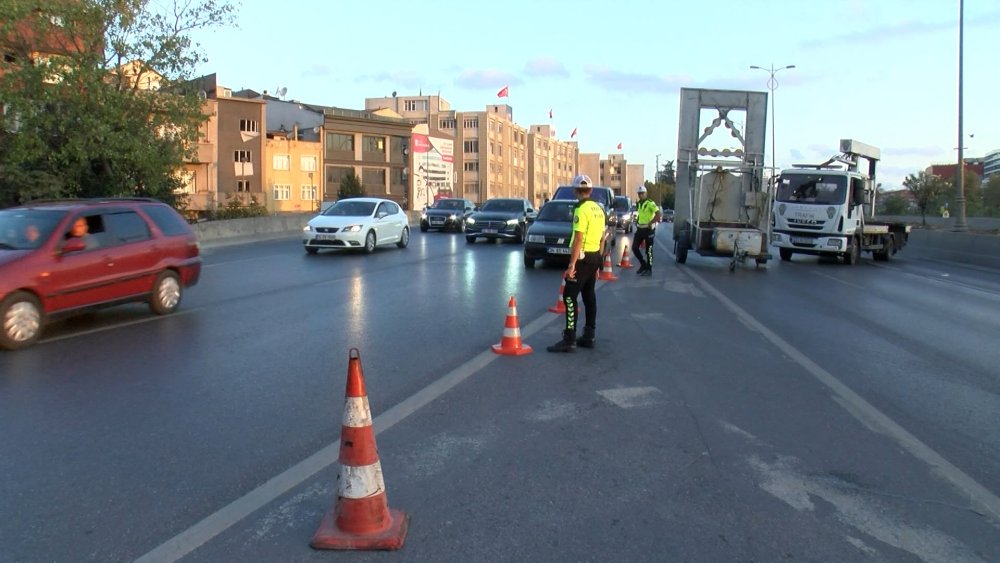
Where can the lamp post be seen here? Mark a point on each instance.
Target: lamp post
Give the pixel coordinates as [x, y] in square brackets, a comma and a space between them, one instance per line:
[656, 177]
[960, 224]
[772, 85]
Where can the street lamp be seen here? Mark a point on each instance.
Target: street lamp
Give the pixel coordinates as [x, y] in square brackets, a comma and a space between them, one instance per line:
[656, 177]
[772, 85]
[960, 224]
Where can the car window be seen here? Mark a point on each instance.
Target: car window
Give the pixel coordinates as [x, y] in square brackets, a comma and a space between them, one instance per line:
[22, 229]
[350, 208]
[392, 208]
[560, 211]
[447, 204]
[123, 227]
[167, 220]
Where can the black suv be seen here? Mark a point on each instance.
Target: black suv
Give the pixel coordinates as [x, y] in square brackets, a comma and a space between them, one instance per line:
[624, 218]
[602, 195]
[446, 213]
[500, 218]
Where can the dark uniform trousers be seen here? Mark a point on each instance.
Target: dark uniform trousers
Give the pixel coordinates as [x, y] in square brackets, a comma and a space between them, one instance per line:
[642, 246]
[585, 284]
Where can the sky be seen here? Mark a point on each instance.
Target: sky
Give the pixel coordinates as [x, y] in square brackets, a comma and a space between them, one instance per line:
[884, 72]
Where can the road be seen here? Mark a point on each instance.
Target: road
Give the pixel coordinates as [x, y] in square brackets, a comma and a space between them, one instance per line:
[808, 411]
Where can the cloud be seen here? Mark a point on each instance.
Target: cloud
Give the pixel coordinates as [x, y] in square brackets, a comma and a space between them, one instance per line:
[545, 66]
[901, 30]
[634, 82]
[317, 69]
[486, 78]
[403, 78]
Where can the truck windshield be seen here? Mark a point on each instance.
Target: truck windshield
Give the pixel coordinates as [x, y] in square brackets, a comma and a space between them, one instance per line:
[812, 188]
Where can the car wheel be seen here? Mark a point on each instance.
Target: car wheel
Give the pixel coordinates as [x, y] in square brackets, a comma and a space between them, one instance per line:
[470, 240]
[312, 250]
[529, 262]
[21, 318]
[166, 294]
[404, 238]
[520, 236]
[370, 242]
[461, 226]
[423, 227]
[785, 253]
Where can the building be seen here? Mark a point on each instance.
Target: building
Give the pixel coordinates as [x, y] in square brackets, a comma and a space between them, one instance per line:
[947, 172]
[374, 145]
[991, 165]
[590, 165]
[227, 165]
[551, 163]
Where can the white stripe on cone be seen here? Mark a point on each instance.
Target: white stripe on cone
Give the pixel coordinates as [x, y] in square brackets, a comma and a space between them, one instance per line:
[512, 333]
[361, 482]
[357, 414]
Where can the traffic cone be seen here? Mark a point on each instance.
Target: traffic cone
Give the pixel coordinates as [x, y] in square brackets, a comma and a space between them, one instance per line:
[626, 261]
[559, 307]
[361, 519]
[510, 344]
[607, 273]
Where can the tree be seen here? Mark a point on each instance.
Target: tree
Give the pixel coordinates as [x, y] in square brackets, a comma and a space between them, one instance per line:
[350, 186]
[107, 111]
[666, 175]
[991, 196]
[972, 190]
[925, 189]
[893, 203]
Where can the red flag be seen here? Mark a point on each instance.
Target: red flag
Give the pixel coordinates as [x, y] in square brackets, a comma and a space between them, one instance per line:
[550, 114]
[619, 146]
[573, 134]
[503, 92]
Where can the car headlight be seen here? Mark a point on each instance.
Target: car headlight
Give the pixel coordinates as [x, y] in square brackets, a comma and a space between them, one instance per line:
[512, 222]
[452, 217]
[351, 229]
[536, 238]
[470, 221]
[307, 229]
[423, 215]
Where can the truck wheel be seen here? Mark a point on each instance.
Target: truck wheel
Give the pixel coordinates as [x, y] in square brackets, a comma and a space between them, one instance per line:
[681, 246]
[853, 253]
[786, 254]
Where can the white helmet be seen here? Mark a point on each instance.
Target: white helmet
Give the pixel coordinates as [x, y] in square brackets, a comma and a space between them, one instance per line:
[640, 190]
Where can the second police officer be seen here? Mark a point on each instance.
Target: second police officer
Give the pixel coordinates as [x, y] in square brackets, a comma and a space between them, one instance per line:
[647, 216]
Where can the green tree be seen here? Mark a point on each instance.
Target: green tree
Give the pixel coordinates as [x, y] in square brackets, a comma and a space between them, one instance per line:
[350, 186]
[991, 196]
[972, 189]
[893, 203]
[85, 119]
[925, 189]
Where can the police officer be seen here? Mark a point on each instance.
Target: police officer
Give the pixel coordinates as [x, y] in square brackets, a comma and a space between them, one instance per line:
[584, 262]
[648, 215]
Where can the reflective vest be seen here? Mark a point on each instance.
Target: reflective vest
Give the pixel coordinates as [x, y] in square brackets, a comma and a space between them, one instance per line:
[588, 218]
[647, 210]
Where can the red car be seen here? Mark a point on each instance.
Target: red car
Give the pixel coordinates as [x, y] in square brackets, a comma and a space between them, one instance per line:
[62, 257]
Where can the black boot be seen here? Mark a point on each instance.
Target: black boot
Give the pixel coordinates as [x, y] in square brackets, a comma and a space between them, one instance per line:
[567, 344]
[587, 340]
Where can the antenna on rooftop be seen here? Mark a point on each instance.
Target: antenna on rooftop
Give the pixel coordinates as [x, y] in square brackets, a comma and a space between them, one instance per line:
[281, 92]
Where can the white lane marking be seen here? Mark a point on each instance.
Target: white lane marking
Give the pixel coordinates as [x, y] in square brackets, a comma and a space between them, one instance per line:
[224, 518]
[979, 496]
[838, 280]
[149, 319]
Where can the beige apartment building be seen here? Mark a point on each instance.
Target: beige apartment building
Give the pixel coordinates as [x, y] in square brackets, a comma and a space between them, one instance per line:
[294, 174]
[373, 145]
[551, 163]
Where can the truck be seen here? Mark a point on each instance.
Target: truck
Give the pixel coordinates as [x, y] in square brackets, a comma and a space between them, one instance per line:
[828, 209]
[722, 205]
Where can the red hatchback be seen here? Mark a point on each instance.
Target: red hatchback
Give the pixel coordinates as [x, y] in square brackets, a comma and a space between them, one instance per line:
[62, 257]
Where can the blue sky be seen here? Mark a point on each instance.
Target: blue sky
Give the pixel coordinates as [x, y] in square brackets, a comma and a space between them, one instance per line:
[881, 71]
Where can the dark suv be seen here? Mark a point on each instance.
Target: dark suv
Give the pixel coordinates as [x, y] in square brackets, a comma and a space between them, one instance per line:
[602, 195]
[446, 213]
[624, 218]
[500, 218]
[62, 257]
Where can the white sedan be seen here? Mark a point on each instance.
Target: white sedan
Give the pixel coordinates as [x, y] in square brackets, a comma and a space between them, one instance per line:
[361, 223]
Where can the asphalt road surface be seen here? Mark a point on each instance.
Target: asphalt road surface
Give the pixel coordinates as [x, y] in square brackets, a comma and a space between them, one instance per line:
[808, 411]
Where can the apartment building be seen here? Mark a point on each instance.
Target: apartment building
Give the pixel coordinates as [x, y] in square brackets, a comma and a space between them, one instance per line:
[991, 165]
[374, 145]
[551, 163]
[590, 165]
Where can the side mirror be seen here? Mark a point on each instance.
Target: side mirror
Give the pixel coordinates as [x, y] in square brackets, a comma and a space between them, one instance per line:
[73, 245]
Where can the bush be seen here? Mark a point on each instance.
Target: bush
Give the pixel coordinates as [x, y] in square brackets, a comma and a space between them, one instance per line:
[236, 208]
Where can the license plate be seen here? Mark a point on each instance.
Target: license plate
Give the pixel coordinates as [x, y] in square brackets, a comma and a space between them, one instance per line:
[800, 240]
[558, 251]
[489, 231]
[326, 237]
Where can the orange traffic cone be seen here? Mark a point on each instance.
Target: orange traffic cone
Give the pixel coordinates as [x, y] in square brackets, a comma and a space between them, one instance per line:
[626, 261]
[510, 344]
[361, 519]
[559, 307]
[606, 272]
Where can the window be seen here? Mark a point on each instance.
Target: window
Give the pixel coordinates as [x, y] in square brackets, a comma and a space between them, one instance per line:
[374, 177]
[282, 162]
[167, 220]
[243, 185]
[188, 178]
[307, 163]
[472, 166]
[447, 124]
[242, 156]
[281, 192]
[308, 193]
[248, 126]
[124, 227]
[340, 142]
[373, 144]
[471, 146]
[471, 123]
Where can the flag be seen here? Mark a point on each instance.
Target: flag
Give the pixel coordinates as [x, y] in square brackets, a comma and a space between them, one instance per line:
[503, 92]
[573, 134]
[550, 114]
[619, 146]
